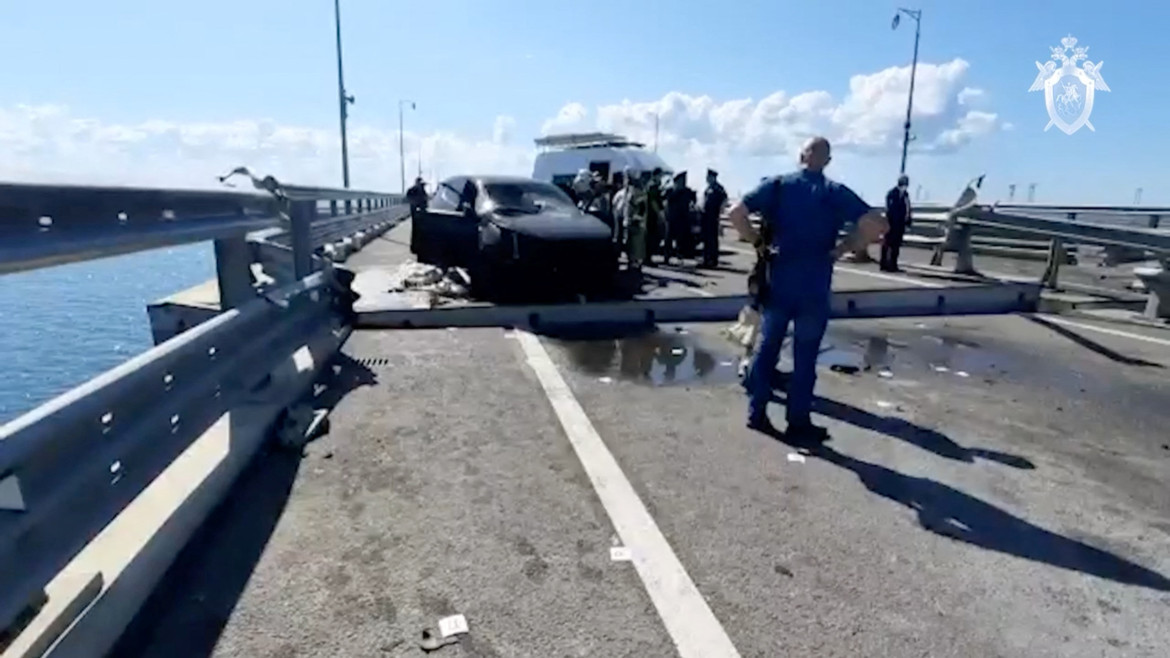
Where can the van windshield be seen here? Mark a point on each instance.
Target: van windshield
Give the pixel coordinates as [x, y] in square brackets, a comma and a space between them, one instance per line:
[526, 197]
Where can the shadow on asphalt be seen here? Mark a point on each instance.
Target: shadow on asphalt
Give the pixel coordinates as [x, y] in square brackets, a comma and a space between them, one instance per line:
[1094, 346]
[188, 610]
[947, 511]
[899, 428]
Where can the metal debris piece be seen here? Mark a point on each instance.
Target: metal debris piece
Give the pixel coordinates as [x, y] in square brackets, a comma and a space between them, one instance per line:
[845, 368]
[962, 373]
[606, 380]
[620, 554]
[431, 643]
[453, 625]
[885, 374]
[940, 368]
[796, 457]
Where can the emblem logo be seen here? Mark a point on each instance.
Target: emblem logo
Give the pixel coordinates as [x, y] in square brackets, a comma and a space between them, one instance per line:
[1068, 88]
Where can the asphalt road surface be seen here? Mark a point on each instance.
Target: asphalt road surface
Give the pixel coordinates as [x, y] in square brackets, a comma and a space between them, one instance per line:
[993, 487]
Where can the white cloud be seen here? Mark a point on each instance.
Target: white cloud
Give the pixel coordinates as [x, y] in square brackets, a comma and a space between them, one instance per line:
[972, 96]
[743, 138]
[868, 119]
[502, 132]
[49, 143]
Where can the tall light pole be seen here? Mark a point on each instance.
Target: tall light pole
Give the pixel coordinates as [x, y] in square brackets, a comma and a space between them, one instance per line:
[342, 99]
[401, 147]
[916, 14]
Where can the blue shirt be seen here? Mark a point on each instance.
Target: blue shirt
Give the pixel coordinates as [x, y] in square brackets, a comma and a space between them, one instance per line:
[805, 212]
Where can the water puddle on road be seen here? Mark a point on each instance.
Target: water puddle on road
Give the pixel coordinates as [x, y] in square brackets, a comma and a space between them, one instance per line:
[666, 357]
[848, 350]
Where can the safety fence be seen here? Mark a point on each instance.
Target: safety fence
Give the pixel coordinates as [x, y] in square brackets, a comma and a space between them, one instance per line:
[71, 469]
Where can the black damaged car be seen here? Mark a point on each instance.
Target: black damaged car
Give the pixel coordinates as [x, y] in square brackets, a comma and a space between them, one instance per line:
[515, 235]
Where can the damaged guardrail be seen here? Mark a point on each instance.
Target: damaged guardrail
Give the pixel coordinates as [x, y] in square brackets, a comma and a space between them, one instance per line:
[90, 508]
[964, 221]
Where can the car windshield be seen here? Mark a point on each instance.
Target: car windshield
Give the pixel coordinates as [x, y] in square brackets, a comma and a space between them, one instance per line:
[526, 196]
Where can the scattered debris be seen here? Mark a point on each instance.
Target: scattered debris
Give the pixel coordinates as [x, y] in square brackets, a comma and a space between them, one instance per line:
[677, 351]
[962, 373]
[431, 643]
[438, 283]
[391, 646]
[783, 570]
[940, 368]
[328, 455]
[882, 404]
[620, 554]
[606, 380]
[796, 457]
[845, 368]
[885, 373]
[453, 625]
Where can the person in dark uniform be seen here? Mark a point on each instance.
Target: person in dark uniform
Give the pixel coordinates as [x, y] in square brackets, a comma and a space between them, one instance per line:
[713, 199]
[898, 214]
[804, 213]
[680, 199]
[416, 196]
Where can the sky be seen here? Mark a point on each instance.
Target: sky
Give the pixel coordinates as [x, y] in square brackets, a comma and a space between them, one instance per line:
[175, 93]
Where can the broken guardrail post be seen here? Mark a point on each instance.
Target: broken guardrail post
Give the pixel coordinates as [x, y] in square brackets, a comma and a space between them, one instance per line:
[1057, 255]
[1157, 283]
[302, 214]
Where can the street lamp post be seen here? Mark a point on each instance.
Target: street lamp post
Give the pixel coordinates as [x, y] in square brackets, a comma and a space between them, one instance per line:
[342, 99]
[916, 14]
[401, 147]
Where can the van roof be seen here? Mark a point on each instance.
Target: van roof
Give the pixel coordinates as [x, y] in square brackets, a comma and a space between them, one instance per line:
[585, 140]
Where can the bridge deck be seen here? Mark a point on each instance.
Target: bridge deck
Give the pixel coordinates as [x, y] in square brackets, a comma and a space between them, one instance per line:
[1000, 507]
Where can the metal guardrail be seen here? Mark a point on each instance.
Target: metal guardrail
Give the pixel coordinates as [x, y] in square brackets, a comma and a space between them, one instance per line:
[71, 465]
[910, 302]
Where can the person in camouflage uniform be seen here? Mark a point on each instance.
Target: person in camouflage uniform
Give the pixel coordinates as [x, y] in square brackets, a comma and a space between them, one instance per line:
[637, 208]
[655, 230]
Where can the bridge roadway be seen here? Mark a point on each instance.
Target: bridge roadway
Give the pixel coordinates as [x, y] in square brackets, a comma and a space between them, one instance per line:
[1013, 504]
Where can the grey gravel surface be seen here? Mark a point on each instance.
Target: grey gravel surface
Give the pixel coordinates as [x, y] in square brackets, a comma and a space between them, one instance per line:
[1002, 493]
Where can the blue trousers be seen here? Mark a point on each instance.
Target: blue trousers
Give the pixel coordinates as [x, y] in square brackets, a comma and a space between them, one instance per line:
[806, 307]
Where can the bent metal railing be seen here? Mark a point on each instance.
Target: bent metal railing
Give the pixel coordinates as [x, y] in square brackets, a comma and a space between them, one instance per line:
[71, 466]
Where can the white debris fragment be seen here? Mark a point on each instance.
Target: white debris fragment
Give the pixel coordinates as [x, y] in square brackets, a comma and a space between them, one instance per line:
[452, 283]
[885, 374]
[940, 368]
[796, 457]
[606, 380]
[677, 351]
[453, 625]
[620, 554]
[962, 373]
[882, 404]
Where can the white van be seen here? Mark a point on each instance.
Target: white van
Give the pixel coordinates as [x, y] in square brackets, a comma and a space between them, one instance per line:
[560, 157]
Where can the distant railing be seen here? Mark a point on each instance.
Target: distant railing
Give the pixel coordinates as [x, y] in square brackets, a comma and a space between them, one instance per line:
[73, 464]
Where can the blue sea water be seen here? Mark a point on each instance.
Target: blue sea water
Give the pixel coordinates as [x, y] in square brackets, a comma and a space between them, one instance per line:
[62, 326]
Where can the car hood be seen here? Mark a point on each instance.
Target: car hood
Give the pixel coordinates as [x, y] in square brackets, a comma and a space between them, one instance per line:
[554, 224]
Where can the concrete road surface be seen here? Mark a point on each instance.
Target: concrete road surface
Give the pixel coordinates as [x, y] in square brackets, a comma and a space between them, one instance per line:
[993, 487]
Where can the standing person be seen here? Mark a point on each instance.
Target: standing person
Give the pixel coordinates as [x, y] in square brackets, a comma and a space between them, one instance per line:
[679, 201]
[637, 209]
[804, 212]
[713, 199]
[655, 229]
[898, 214]
[416, 196]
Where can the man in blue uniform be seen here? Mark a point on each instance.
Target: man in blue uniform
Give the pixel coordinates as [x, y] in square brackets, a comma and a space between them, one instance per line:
[804, 213]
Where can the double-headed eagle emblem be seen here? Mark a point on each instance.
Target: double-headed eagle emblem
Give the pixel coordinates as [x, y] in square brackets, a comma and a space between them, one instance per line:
[1069, 89]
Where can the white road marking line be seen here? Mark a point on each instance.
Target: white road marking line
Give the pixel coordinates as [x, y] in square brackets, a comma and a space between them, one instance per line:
[1051, 318]
[1112, 332]
[688, 619]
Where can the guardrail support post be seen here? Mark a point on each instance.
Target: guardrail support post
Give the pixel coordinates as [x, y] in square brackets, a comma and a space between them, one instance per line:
[303, 213]
[233, 271]
[1157, 283]
[1057, 254]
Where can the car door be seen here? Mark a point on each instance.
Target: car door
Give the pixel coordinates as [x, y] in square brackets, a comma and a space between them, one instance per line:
[435, 238]
[465, 227]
